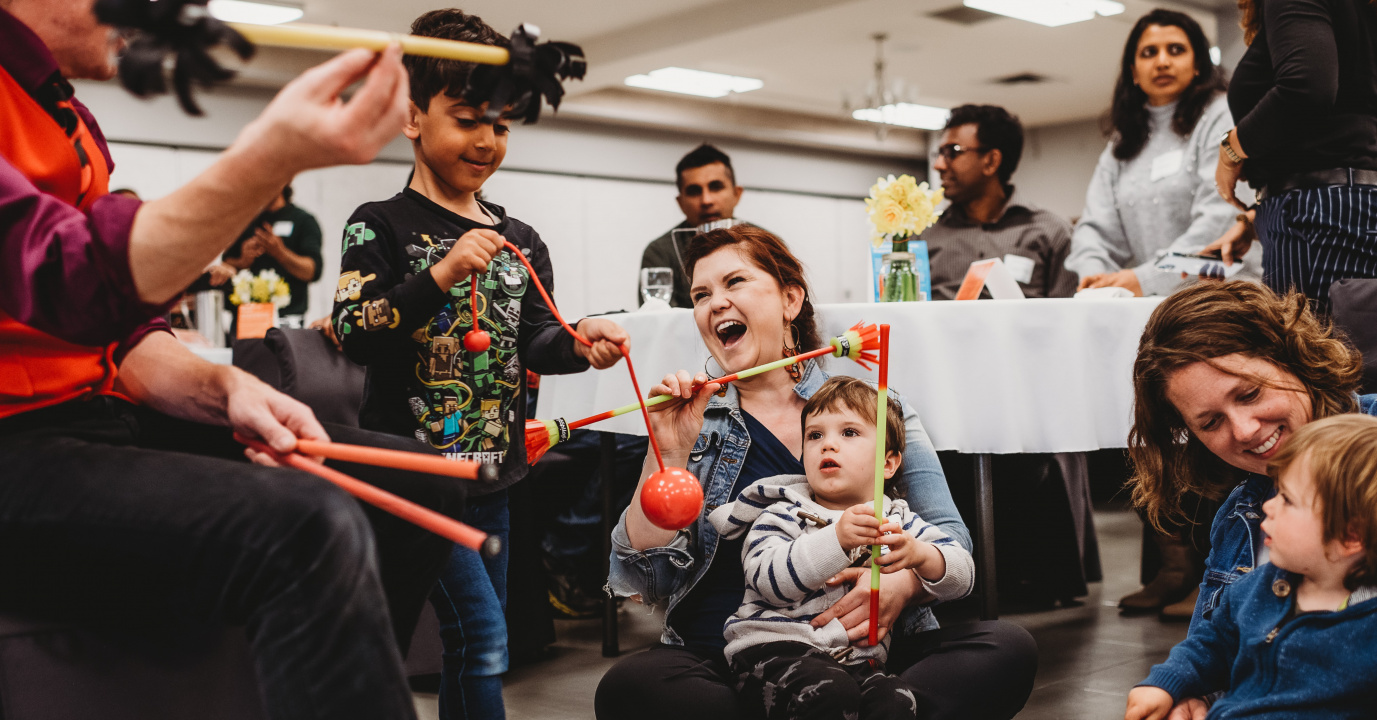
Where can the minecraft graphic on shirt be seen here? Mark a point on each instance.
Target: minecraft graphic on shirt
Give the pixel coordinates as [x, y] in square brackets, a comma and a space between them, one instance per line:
[470, 400]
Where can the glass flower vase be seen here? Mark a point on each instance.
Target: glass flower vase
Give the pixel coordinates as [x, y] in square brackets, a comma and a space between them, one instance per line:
[900, 278]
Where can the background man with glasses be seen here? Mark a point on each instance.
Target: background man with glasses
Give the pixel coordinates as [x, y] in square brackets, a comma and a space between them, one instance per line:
[979, 151]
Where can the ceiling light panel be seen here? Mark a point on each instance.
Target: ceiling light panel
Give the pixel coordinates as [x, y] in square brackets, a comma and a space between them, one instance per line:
[923, 117]
[1051, 13]
[694, 82]
[256, 13]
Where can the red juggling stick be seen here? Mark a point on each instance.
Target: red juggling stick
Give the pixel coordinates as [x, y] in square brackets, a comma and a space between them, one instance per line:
[399, 459]
[672, 497]
[445, 527]
[881, 413]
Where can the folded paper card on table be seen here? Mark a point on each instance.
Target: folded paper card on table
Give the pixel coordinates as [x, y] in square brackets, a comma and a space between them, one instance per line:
[1198, 266]
[990, 274]
[255, 319]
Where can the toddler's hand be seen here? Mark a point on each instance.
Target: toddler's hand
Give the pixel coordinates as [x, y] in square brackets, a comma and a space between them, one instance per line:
[857, 527]
[471, 253]
[1147, 703]
[906, 551]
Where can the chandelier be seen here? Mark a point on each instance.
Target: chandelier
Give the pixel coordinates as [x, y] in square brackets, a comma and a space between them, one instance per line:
[887, 102]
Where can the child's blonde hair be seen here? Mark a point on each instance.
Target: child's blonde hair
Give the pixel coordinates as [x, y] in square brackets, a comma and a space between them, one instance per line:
[1342, 452]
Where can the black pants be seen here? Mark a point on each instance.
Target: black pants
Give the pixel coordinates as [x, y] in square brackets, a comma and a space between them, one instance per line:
[977, 671]
[794, 681]
[117, 516]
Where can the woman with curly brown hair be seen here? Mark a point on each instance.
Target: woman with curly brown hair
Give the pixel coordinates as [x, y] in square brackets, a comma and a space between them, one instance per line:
[1225, 374]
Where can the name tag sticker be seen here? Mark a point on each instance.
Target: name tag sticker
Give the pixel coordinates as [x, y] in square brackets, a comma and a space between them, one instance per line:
[1020, 267]
[1166, 164]
[283, 228]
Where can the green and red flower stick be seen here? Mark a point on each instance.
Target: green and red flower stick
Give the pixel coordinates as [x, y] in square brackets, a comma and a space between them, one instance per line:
[858, 343]
[881, 414]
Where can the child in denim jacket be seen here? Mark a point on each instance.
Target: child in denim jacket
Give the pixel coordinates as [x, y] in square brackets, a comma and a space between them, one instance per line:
[1295, 636]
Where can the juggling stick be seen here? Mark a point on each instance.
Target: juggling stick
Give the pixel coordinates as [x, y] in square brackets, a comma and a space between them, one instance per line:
[326, 37]
[858, 343]
[399, 460]
[511, 81]
[671, 497]
[881, 414]
[469, 537]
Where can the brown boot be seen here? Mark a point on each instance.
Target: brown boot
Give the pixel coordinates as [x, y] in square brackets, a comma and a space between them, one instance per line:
[1180, 572]
[1181, 611]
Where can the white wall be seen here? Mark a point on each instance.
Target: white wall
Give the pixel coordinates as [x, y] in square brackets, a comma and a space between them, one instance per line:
[1058, 161]
[597, 194]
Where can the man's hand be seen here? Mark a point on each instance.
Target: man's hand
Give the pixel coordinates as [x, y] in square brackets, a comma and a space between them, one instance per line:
[607, 338]
[256, 410]
[251, 250]
[161, 373]
[221, 273]
[268, 243]
[1126, 279]
[1147, 703]
[857, 527]
[853, 609]
[1236, 241]
[471, 253]
[309, 124]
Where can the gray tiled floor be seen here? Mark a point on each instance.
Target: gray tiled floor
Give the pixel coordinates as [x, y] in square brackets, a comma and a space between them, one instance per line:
[1089, 655]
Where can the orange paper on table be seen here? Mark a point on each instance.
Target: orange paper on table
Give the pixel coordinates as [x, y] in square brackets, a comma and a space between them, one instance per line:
[991, 274]
[974, 281]
[255, 319]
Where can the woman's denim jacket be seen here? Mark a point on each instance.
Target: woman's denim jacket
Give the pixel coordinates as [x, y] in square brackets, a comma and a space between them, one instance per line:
[1236, 534]
[665, 575]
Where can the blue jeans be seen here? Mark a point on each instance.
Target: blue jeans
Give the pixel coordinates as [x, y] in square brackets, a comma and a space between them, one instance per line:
[469, 601]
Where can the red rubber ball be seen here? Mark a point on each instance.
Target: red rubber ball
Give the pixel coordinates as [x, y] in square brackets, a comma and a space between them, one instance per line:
[672, 498]
[476, 341]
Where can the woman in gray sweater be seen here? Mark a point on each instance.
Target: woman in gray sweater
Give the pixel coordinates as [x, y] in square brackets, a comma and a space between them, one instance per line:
[1153, 192]
[1153, 188]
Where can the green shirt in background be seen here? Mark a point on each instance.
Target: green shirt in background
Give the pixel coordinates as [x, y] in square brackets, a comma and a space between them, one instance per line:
[301, 234]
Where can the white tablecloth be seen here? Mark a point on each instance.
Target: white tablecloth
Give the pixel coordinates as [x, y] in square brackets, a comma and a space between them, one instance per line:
[987, 376]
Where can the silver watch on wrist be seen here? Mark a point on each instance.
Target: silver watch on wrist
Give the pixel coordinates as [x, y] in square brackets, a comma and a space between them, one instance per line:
[1228, 148]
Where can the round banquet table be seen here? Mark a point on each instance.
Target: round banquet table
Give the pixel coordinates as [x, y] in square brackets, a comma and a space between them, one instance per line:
[987, 377]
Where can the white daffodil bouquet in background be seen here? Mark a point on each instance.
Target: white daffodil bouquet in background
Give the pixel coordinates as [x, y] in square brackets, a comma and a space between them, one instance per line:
[900, 208]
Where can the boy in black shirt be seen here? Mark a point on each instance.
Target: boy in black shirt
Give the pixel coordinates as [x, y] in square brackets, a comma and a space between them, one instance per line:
[403, 308]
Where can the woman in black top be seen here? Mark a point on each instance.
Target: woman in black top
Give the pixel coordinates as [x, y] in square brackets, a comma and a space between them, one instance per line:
[1305, 95]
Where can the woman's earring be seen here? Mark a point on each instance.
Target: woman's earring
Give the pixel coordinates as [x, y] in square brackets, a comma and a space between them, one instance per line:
[795, 370]
[709, 373]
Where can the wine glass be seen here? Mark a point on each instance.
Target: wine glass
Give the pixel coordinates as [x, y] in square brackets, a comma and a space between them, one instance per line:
[657, 282]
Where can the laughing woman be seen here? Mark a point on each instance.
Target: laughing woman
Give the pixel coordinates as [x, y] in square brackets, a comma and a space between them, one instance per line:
[1225, 375]
[751, 305]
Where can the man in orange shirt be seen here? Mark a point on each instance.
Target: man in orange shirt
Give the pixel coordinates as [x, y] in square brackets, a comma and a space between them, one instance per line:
[123, 497]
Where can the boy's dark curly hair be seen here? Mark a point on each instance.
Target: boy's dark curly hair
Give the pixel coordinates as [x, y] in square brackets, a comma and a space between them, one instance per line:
[433, 76]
